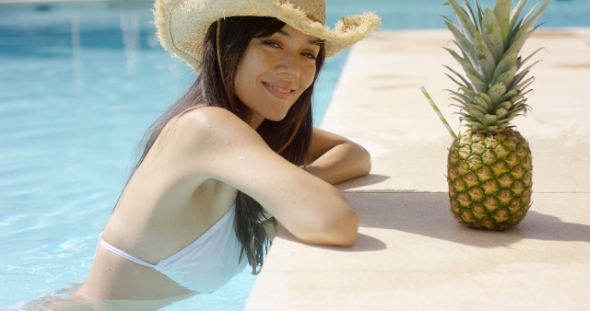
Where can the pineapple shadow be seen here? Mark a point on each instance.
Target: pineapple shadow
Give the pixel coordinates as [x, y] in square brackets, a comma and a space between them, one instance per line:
[428, 214]
[535, 226]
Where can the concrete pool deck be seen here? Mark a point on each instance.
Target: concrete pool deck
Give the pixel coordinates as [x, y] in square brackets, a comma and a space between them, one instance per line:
[411, 254]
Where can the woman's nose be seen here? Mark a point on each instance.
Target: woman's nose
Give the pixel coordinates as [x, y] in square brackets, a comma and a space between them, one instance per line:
[289, 65]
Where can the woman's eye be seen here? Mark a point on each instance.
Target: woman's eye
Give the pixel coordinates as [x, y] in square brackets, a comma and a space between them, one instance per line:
[310, 55]
[270, 43]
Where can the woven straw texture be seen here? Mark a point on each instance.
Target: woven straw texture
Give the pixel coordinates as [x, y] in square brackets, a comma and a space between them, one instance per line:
[182, 24]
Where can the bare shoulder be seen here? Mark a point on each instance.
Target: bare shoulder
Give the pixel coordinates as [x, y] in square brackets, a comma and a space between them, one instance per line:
[204, 139]
[209, 119]
[206, 114]
[208, 127]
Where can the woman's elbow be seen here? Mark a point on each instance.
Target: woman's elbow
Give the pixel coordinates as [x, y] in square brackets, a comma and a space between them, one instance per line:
[350, 234]
[344, 231]
[362, 160]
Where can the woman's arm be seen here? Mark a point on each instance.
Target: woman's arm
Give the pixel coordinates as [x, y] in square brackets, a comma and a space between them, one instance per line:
[335, 159]
[213, 143]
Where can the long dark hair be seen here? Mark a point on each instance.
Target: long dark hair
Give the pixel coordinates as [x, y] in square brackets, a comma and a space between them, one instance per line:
[289, 137]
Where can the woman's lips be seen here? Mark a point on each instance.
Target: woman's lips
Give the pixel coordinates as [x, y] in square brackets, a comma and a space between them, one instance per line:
[280, 92]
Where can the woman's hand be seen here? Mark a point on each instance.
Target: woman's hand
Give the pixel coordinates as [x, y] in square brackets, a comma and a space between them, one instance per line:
[335, 159]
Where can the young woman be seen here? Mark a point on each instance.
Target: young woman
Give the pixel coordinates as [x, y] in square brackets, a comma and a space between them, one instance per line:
[233, 157]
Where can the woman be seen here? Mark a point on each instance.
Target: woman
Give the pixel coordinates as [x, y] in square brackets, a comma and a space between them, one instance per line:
[237, 148]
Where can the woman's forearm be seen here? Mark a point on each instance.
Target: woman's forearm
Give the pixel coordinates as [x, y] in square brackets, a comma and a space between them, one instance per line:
[342, 162]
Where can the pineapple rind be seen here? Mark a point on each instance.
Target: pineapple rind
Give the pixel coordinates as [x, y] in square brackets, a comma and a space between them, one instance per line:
[490, 165]
[490, 179]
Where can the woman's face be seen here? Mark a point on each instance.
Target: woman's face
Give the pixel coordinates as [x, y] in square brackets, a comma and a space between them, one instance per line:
[274, 71]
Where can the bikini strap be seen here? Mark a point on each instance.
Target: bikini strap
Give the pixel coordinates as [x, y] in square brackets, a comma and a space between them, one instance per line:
[123, 254]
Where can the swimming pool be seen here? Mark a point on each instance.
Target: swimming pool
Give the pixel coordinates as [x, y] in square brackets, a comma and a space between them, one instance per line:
[79, 83]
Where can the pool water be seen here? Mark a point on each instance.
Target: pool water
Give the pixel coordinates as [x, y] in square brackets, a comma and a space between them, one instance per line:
[79, 84]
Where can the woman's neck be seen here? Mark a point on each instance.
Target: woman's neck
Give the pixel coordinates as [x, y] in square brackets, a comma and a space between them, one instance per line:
[255, 120]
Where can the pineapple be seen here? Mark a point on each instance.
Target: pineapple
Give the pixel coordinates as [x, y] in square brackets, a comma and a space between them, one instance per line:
[490, 163]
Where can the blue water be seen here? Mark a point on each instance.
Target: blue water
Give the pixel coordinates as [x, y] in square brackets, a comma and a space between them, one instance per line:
[79, 84]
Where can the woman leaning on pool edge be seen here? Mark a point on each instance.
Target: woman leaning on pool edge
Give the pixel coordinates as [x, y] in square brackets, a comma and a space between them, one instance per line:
[239, 142]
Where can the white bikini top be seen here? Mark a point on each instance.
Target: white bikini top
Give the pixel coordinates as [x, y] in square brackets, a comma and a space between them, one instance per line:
[206, 264]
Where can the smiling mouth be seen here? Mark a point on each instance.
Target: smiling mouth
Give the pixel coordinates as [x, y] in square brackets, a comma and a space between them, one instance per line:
[278, 89]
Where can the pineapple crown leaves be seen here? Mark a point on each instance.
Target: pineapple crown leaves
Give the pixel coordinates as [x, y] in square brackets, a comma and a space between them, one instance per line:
[492, 91]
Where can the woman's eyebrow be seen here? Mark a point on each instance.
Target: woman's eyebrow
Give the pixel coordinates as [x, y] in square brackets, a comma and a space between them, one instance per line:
[309, 41]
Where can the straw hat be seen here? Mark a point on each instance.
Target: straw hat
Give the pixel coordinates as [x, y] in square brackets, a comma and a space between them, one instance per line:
[183, 24]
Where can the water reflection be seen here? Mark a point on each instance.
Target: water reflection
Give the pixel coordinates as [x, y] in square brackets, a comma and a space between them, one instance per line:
[76, 51]
[130, 30]
[67, 300]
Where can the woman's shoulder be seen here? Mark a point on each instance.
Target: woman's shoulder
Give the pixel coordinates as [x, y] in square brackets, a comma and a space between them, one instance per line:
[207, 126]
[206, 116]
[208, 120]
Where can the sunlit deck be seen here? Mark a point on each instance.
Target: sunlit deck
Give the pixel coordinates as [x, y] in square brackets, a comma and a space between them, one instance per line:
[411, 254]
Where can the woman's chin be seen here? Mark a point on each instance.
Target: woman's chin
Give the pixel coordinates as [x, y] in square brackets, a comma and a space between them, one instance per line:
[276, 117]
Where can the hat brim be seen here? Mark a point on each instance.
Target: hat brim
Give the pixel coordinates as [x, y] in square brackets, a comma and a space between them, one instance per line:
[183, 24]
